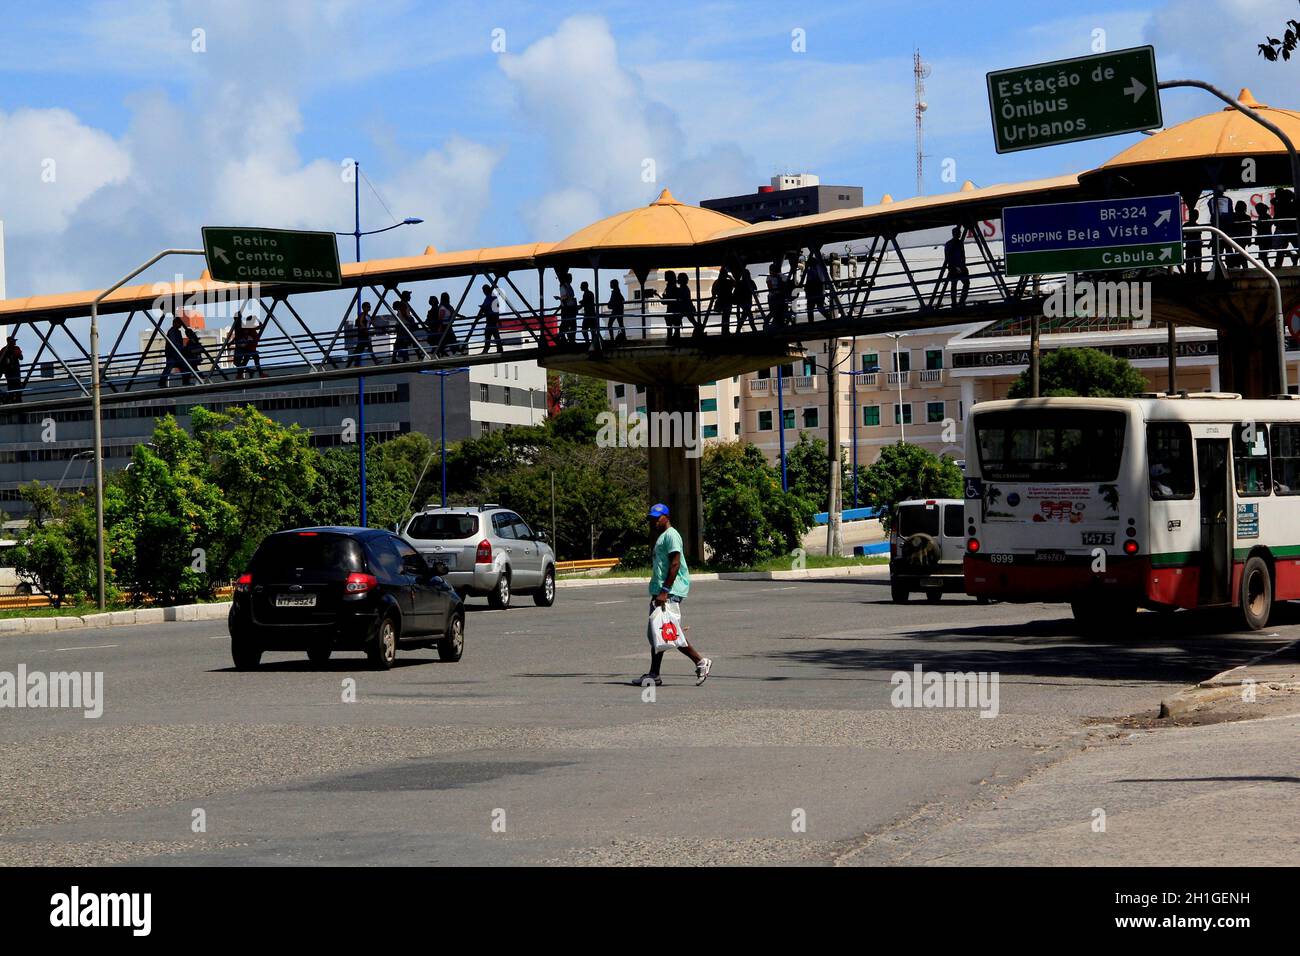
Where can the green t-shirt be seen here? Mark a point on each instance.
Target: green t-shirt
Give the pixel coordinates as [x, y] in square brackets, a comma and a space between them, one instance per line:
[668, 543]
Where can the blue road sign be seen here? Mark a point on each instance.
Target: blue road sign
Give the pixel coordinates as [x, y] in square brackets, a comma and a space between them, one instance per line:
[1099, 234]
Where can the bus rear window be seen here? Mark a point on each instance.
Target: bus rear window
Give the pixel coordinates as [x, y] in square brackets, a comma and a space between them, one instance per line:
[1048, 444]
[918, 519]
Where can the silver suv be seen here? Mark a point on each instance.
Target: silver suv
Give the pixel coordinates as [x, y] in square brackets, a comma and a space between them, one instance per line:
[488, 550]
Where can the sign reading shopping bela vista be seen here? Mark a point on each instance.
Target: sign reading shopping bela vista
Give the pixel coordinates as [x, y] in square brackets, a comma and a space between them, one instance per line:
[291, 257]
[1066, 101]
[1090, 236]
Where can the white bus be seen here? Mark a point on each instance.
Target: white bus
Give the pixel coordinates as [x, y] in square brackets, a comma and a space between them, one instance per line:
[1113, 504]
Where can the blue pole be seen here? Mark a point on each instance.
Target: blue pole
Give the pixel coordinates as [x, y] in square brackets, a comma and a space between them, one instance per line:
[442, 431]
[780, 425]
[361, 381]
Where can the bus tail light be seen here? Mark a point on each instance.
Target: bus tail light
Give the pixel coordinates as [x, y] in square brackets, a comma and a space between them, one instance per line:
[1130, 546]
[484, 553]
[973, 545]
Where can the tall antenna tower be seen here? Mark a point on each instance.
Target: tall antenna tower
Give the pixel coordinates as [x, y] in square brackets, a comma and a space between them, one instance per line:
[920, 70]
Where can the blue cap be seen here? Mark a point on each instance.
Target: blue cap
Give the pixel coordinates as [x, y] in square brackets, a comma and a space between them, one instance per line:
[658, 511]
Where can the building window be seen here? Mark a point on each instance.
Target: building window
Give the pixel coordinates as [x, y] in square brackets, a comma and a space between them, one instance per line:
[902, 360]
[640, 409]
[708, 404]
[870, 415]
[933, 359]
[934, 411]
[709, 431]
[870, 361]
[764, 373]
[620, 391]
[735, 402]
[809, 366]
[483, 394]
[788, 418]
[765, 421]
[906, 418]
[810, 417]
[736, 428]
[640, 389]
[509, 401]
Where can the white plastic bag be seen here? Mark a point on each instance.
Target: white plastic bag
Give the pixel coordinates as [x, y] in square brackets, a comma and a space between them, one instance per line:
[666, 627]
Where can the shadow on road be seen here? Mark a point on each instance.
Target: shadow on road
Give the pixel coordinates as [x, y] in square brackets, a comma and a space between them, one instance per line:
[347, 664]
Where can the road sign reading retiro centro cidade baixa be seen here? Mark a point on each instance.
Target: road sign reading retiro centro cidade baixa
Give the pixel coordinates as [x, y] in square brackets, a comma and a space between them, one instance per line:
[291, 257]
[1090, 236]
[1070, 100]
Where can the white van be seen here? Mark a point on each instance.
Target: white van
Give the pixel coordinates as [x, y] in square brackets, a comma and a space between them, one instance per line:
[926, 548]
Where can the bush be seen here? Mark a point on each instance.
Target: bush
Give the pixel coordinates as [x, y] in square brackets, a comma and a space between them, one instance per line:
[909, 471]
[747, 517]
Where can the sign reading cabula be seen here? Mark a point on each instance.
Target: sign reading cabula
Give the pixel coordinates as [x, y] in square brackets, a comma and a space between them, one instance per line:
[1095, 235]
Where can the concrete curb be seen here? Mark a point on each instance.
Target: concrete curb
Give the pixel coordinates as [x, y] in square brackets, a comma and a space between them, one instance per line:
[215, 611]
[1275, 672]
[848, 571]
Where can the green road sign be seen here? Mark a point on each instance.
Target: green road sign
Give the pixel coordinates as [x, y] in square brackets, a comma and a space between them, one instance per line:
[1070, 100]
[237, 254]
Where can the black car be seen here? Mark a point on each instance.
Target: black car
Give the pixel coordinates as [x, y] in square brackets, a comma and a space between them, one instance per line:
[325, 589]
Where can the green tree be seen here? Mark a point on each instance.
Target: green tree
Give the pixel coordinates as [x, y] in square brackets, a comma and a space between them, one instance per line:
[747, 517]
[906, 471]
[56, 553]
[1285, 45]
[1083, 372]
[582, 398]
[808, 472]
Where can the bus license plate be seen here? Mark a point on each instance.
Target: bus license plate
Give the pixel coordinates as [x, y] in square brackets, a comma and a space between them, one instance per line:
[1099, 537]
[1049, 555]
[295, 600]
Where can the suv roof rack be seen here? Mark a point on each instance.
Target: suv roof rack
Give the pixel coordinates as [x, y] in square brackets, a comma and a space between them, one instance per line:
[488, 506]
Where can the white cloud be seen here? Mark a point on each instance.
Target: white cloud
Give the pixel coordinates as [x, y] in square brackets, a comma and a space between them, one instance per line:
[52, 163]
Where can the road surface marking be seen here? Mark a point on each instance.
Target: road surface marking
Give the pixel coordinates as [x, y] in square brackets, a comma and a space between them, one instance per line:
[89, 647]
[598, 603]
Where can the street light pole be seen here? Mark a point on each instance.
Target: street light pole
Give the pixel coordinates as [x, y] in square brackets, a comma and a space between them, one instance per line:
[97, 411]
[898, 372]
[780, 424]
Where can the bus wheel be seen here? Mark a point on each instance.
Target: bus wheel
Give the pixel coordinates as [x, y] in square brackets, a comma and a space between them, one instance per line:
[1256, 593]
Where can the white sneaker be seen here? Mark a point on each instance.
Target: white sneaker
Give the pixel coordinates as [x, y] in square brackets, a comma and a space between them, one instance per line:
[702, 671]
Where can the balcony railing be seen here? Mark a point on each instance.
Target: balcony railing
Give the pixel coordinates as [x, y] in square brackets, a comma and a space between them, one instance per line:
[930, 376]
[865, 379]
[805, 383]
[896, 378]
[760, 386]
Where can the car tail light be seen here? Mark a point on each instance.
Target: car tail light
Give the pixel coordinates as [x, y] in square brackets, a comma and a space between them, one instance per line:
[244, 582]
[1130, 546]
[484, 553]
[359, 583]
[973, 545]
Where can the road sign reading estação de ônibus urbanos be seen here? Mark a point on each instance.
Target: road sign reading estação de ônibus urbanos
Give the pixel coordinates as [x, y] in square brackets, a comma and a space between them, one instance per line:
[291, 257]
[1070, 100]
[1101, 234]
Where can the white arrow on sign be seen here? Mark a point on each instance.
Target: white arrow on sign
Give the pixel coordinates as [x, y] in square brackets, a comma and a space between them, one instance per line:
[1163, 217]
[220, 254]
[1165, 253]
[1136, 90]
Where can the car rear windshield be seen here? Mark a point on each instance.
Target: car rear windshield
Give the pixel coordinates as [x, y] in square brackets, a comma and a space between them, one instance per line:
[1048, 444]
[443, 527]
[918, 519]
[312, 551]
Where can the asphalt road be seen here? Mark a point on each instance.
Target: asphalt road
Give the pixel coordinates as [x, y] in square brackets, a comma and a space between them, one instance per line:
[536, 749]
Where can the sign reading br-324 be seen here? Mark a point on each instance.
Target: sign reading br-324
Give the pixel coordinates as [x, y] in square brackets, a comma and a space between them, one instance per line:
[1089, 236]
[1070, 100]
[238, 254]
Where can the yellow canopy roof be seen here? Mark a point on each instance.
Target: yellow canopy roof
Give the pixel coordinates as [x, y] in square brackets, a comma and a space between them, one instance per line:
[663, 224]
[1225, 132]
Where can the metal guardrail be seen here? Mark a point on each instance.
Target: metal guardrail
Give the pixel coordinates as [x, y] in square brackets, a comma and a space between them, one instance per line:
[591, 564]
[13, 601]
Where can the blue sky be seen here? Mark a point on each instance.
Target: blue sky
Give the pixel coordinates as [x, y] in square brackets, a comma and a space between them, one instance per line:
[161, 117]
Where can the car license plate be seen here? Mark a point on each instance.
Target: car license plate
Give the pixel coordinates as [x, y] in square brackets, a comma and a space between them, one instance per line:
[448, 559]
[295, 600]
[1049, 556]
[932, 582]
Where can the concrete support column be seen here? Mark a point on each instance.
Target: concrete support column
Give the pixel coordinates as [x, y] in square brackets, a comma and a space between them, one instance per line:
[1248, 361]
[674, 477]
[967, 396]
